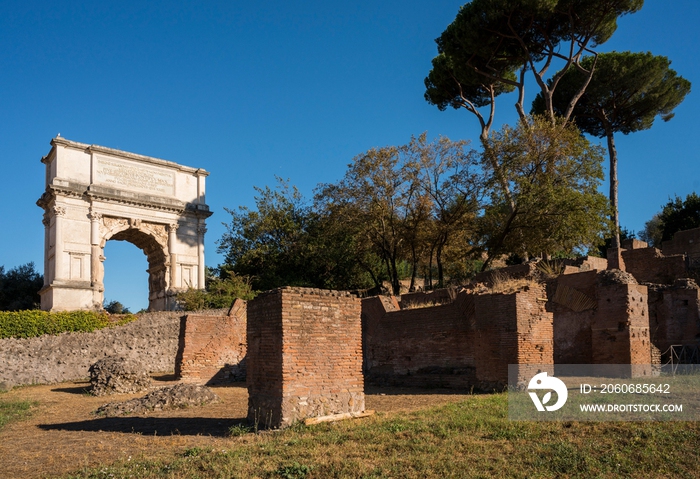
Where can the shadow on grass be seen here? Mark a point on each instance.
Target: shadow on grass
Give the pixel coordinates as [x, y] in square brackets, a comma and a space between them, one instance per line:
[156, 426]
[372, 390]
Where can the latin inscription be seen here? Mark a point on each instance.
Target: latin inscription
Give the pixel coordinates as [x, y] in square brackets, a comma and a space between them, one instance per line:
[125, 175]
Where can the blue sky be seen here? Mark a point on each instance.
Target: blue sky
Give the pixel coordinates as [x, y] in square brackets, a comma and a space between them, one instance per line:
[250, 90]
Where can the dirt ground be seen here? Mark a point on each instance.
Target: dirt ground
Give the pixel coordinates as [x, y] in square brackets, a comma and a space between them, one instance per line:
[64, 435]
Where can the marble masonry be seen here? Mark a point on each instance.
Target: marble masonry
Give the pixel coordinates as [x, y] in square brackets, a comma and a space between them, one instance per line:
[96, 194]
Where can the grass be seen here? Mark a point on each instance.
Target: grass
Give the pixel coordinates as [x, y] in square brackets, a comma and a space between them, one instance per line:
[11, 411]
[502, 283]
[472, 438]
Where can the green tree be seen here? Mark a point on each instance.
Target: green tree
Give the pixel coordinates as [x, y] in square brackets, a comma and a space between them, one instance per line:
[553, 173]
[652, 232]
[115, 307]
[680, 215]
[373, 200]
[450, 186]
[223, 286]
[19, 288]
[492, 45]
[626, 94]
[266, 243]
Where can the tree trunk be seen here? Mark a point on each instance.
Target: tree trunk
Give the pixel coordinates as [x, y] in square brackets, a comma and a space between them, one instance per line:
[414, 269]
[612, 151]
[438, 260]
[429, 277]
[395, 284]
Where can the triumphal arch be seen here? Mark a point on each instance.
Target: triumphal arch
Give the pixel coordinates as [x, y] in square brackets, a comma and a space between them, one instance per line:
[96, 194]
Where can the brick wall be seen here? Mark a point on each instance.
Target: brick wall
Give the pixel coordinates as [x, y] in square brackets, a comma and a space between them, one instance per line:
[515, 271]
[620, 329]
[511, 329]
[601, 318]
[683, 242]
[674, 313]
[304, 355]
[212, 348]
[573, 305]
[649, 265]
[469, 342]
[426, 346]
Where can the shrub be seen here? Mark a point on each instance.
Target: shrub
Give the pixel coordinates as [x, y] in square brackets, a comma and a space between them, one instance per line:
[220, 293]
[33, 323]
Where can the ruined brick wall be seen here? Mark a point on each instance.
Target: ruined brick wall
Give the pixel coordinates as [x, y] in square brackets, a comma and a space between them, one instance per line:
[511, 329]
[514, 271]
[304, 355]
[212, 348]
[431, 298]
[683, 242]
[674, 314]
[620, 329]
[649, 265]
[600, 318]
[424, 347]
[573, 304]
[469, 342]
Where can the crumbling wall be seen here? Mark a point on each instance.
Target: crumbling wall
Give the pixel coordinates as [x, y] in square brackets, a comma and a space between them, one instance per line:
[683, 242]
[526, 270]
[600, 317]
[304, 355]
[152, 341]
[469, 342]
[423, 346]
[573, 305]
[212, 348]
[511, 328]
[620, 329]
[649, 265]
[674, 314]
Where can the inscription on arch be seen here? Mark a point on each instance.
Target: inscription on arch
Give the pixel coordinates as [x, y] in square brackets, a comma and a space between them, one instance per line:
[96, 194]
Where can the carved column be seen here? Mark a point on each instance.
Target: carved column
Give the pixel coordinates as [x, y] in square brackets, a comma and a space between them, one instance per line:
[59, 212]
[95, 249]
[47, 246]
[201, 229]
[172, 241]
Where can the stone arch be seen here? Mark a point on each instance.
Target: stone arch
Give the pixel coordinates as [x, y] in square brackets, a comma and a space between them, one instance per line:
[96, 194]
[152, 240]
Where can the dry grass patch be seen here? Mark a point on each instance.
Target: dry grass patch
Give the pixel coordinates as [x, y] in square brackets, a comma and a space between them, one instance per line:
[502, 283]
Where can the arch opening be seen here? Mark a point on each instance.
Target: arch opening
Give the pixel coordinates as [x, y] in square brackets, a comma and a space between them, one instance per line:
[156, 256]
[126, 275]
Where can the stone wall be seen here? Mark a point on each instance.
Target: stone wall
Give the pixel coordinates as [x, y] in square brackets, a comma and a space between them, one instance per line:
[469, 342]
[304, 355]
[152, 340]
[212, 347]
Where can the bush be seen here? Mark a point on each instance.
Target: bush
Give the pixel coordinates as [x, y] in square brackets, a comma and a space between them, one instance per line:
[33, 323]
[220, 293]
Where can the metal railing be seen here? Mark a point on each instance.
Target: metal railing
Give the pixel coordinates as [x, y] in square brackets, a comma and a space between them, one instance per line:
[679, 354]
